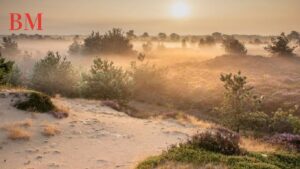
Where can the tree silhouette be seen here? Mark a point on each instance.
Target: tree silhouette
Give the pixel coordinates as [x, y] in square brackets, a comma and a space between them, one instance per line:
[162, 36]
[233, 46]
[280, 46]
[6, 68]
[112, 42]
[9, 46]
[75, 47]
[147, 47]
[174, 37]
[294, 35]
[209, 41]
[130, 34]
[183, 43]
[145, 35]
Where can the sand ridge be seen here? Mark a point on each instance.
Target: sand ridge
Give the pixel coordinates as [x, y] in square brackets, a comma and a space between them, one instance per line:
[92, 137]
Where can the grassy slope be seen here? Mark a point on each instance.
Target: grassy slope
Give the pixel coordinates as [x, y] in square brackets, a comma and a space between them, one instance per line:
[198, 158]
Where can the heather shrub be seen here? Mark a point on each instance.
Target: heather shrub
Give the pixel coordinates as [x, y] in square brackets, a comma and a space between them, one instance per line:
[290, 141]
[106, 81]
[54, 75]
[217, 140]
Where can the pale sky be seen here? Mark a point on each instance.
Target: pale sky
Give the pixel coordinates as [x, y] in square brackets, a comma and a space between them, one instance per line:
[265, 17]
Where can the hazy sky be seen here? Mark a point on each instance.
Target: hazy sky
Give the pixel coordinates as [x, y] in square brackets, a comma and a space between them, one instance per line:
[153, 16]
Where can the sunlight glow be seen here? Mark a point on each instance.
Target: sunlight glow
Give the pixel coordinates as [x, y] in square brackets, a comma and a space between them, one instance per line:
[180, 10]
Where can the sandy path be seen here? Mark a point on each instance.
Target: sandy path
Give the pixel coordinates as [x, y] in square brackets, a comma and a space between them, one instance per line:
[93, 137]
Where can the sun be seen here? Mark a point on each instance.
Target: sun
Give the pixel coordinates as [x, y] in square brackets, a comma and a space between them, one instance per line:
[180, 10]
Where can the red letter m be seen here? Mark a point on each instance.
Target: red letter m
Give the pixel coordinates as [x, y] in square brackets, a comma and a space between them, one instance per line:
[38, 21]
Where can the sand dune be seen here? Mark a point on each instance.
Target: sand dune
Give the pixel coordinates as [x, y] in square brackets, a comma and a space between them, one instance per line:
[92, 137]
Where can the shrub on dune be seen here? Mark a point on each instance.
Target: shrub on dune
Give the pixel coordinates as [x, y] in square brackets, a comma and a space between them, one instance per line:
[36, 102]
[54, 75]
[106, 81]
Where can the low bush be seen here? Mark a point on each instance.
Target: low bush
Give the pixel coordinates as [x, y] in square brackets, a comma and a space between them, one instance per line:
[255, 121]
[217, 140]
[285, 121]
[36, 102]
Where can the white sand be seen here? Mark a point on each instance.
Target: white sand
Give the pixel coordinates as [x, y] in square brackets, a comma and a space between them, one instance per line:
[93, 137]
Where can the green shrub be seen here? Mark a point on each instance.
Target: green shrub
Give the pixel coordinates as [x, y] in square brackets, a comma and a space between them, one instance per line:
[238, 100]
[54, 75]
[255, 121]
[106, 81]
[36, 102]
[6, 68]
[217, 140]
[285, 122]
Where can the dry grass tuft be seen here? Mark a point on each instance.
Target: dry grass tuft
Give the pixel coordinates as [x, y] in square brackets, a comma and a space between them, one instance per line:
[254, 145]
[25, 123]
[17, 133]
[50, 130]
[185, 118]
